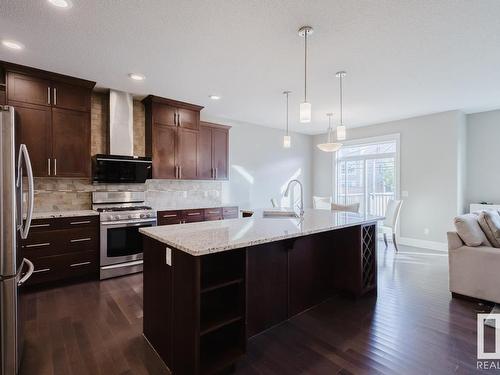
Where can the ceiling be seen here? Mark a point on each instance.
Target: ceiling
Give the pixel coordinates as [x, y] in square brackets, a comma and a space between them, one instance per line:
[403, 58]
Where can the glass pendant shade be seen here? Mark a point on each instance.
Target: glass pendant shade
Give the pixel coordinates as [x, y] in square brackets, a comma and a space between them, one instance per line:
[287, 141]
[341, 133]
[305, 112]
[330, 146]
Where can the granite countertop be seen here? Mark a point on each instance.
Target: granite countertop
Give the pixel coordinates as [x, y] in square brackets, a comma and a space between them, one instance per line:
[216, 236]
[56, 214]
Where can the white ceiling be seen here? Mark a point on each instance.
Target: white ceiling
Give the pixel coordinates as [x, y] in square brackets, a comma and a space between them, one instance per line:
[403, 58]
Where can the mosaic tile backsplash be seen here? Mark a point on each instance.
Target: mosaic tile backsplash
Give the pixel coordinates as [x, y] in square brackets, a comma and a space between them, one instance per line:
[75, 194]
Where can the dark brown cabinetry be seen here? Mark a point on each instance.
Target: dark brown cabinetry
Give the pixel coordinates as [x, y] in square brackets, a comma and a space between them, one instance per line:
[214, 149]
[180, 145]
[63, 248]
[53, 113]
[196, 215]
[172, 137]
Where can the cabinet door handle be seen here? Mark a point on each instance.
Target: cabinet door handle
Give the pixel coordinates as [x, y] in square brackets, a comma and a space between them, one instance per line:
[48, 166]
[180, 171]
[55, 167]
[80, 222]
[79, 264]
[39, 225]
[215, 173]
[175, 118]
[179, 119]
[170, 215]
[48, 95]
[43, 244]
[213, 212]
[55, 96]
[42, 270]
[80, 240]
[193, 213]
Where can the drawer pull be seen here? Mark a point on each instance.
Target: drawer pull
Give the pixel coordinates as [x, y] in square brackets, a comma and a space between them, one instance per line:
[39, 244]
[213, 212]
[80, 222]
[193, 213]
[80, 240]
[42, 270]
[79, 264]
[39, 225]
[170, 215]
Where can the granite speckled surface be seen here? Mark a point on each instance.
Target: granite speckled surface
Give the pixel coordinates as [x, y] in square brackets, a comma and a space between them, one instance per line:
[216, 236]
[56, 214]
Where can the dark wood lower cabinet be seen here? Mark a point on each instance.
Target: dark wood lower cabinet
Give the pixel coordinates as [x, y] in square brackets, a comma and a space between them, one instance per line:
[199, 312]
[196, 215]
[63, 249]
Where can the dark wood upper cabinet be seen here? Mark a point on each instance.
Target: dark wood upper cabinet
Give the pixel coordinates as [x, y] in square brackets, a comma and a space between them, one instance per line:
[28, 89]
[69, 96]
[70, 143]
[34, 124]
[163, 152]
[53, 113]
[172, 137]
[214, 155]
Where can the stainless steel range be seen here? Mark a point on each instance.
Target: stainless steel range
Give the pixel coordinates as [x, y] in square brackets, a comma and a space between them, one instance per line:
[121, 216]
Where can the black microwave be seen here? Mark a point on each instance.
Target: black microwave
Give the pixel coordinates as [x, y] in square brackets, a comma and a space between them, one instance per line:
[117, 169]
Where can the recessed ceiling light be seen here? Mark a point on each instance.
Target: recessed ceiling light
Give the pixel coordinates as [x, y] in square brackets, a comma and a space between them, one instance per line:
[12, 44]
[136, 77]
[60, 3]
[214, 97]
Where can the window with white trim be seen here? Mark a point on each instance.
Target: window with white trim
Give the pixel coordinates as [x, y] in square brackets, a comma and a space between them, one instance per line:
[366, 173]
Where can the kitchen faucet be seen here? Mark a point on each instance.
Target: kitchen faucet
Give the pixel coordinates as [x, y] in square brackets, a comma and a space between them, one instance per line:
[287, 191]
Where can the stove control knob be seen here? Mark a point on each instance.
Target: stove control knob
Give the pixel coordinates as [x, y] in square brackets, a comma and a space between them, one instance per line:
[130, 216]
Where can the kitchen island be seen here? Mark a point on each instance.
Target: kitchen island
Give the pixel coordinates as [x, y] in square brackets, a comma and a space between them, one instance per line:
[209, 287]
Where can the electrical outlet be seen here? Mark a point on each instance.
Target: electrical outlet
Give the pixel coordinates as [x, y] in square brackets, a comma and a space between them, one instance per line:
[168, 256]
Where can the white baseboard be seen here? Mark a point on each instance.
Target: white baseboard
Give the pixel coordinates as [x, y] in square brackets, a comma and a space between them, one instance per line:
[432, 245]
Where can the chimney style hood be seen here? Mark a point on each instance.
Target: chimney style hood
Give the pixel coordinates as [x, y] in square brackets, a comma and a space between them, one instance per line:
[121, 124]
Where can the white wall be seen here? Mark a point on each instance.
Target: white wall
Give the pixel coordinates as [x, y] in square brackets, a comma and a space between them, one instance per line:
[483, 156]
[431, 172]
[260, 167]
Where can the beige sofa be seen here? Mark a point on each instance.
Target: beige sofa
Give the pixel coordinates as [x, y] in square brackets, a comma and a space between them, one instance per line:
[474, 271]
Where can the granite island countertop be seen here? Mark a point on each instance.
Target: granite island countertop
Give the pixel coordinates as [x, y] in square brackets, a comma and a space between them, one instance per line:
[215, 236]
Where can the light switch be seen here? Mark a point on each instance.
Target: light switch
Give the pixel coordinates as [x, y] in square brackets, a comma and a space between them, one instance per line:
[168, 256]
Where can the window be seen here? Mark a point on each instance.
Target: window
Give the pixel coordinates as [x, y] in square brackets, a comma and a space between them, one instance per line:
[367, 173]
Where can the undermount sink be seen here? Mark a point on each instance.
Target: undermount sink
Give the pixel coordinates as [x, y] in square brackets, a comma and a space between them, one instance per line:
[279, 213]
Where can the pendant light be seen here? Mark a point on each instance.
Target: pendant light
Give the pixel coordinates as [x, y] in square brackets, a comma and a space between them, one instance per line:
[287, 140]
[341, 130]
[305, 106]
[330, 145]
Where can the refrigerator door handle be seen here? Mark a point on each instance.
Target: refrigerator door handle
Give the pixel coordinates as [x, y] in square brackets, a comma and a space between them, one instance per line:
[31, 269]
[23, 154]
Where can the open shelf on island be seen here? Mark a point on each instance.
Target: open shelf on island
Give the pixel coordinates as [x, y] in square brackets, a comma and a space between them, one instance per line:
[219, 270]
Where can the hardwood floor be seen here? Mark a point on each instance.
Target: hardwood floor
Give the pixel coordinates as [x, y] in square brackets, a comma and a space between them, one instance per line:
[413, 327]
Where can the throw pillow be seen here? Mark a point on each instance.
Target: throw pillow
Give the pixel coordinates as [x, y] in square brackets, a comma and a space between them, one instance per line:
[490, 224]
[469, 230]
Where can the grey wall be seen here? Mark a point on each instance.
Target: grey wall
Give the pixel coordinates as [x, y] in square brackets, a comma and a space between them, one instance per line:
[260, 167]
[431, 171]
[483, 156]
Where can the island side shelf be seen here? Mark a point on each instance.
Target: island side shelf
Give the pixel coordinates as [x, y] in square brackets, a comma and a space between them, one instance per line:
[199, 311]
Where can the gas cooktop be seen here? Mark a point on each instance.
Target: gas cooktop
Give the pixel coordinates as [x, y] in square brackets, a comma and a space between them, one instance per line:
[113, 209]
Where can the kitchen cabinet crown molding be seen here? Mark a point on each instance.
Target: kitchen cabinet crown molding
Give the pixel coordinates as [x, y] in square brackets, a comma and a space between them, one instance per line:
[171, 102]
[16, 68]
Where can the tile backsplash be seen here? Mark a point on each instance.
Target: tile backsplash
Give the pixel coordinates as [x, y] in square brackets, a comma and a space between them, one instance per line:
[61, 194]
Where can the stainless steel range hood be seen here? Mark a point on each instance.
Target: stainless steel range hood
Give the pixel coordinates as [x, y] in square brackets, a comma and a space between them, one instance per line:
[121, 124]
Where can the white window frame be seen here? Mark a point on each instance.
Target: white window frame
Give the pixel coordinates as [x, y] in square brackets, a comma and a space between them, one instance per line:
[371, 140]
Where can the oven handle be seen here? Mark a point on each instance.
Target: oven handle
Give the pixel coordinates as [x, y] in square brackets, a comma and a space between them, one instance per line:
[129, 222]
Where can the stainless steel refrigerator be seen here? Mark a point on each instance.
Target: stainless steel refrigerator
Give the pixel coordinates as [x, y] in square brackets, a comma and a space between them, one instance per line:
[15, 223]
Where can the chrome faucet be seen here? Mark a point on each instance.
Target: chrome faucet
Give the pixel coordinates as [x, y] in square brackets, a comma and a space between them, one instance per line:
[287, 191]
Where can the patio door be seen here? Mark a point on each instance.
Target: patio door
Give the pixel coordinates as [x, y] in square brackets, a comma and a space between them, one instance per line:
[366, 173]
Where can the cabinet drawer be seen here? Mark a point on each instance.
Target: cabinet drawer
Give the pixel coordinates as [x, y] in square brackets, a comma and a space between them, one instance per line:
[192, 216]
[169, 217]
[40, 225]
[230, 212]
[79, 222]
[213, 214]
[79, 239]
[40, 244]
[65, 266]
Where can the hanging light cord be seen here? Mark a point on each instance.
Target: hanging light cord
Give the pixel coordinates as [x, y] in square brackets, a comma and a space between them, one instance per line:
[305, 65]
[341, 101]
[287, 113]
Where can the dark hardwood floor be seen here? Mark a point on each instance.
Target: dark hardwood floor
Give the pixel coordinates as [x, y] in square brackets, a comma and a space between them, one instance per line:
[413, 327]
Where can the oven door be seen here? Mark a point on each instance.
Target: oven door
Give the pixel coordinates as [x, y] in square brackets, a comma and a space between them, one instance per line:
[121, 241]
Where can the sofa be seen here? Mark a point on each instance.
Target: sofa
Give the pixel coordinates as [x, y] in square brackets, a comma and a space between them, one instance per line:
[474, 256]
